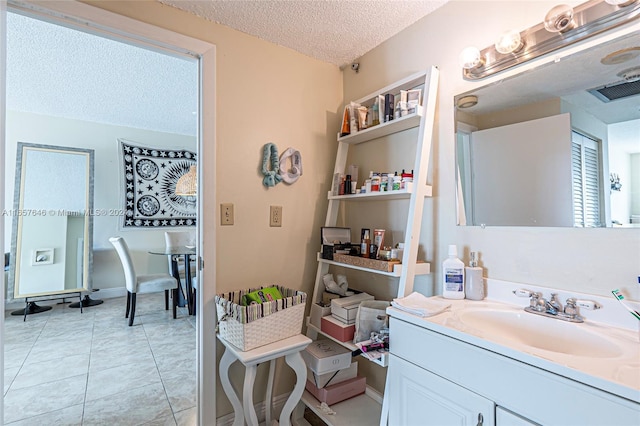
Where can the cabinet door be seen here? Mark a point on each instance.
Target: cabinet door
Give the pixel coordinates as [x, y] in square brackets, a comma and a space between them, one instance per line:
[507, 418]
[420, 398]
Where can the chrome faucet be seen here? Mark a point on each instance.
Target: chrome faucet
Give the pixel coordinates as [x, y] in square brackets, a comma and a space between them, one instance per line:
[553, 308]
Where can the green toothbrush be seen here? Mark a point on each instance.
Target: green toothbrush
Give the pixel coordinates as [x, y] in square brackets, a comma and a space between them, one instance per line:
[620, 298]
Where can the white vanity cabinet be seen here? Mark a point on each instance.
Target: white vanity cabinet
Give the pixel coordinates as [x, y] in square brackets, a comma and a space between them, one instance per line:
[438, 378]
[418, 397]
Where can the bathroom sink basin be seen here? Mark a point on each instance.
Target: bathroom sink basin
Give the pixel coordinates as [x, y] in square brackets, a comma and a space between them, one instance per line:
[548, 334]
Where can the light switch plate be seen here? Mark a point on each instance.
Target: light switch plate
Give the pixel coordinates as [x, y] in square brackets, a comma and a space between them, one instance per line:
[226, 214]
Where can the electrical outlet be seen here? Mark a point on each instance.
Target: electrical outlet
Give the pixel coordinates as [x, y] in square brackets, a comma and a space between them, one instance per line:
[226, 214]
[275, 216]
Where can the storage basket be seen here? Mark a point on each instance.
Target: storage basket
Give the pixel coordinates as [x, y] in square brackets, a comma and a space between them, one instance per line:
[248, 327]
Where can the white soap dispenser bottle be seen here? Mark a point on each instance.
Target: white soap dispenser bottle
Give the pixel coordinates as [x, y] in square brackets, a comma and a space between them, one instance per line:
[474, 285]
[453, 275]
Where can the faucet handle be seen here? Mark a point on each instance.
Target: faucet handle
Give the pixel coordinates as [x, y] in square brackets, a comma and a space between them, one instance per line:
[570, 307]
[588, 304]
[523, 292]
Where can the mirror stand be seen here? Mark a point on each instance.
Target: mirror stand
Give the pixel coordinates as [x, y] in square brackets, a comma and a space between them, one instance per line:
[86, 302]
[31, 308]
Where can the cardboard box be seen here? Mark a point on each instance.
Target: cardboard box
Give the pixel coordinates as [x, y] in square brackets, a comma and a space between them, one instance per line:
[345, 309]
[349, 313]
[333, 378]
[317, 312]
[328, 297]
[325, 356]
[335, 239]
[336, 329]
[333, 394]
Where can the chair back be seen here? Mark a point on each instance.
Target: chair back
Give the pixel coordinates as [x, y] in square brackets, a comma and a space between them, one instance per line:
[129, 272]
[178, 239]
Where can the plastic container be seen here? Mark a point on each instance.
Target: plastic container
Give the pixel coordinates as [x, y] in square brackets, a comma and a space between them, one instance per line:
[474, 284]
[453, 275]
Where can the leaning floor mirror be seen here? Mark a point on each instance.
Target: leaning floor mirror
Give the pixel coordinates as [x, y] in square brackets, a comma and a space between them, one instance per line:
[51, 247]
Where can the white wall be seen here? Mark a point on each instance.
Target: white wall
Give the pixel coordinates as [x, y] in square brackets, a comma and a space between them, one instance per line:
[587, 260]
[622, 146]
[522, 173]
[103, 139]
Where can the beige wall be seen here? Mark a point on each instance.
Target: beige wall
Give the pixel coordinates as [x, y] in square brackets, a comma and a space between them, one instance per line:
[267, 93]
[264, 93]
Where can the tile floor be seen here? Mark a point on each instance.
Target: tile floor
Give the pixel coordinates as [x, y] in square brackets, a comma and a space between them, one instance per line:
[66, 368]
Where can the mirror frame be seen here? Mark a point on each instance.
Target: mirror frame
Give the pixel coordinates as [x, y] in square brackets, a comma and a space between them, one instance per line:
[13, 285]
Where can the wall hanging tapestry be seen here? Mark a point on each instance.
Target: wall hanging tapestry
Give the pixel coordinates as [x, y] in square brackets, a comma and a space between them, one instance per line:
[150, 176]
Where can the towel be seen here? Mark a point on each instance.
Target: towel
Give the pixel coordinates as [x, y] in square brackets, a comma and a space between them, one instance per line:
[419, 305]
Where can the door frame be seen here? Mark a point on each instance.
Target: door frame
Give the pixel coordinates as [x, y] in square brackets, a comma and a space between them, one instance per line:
[111, 25]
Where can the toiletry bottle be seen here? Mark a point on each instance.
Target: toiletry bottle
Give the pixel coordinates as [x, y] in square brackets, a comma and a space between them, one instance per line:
[347, 185]
[474, 285]
[453, 275]
[365, 245]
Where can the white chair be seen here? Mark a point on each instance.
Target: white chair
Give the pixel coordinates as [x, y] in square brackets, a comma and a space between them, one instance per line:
[175, 239]
[135, 283]
[180, 239]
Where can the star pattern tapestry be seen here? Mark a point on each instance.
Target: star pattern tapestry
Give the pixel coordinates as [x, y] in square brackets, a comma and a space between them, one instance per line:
[150, 176]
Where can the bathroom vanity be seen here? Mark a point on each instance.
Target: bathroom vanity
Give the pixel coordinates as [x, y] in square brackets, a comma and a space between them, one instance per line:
[492, 363]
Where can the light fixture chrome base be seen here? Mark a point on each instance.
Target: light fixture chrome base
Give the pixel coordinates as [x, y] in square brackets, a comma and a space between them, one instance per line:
[590, 18]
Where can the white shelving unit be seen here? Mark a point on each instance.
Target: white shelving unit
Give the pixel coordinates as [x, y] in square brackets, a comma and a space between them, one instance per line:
[371, 404]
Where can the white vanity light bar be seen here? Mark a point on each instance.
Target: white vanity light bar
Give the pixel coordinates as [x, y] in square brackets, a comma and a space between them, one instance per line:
[589, 19]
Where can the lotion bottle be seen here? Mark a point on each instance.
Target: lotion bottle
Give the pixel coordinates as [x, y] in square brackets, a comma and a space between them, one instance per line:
[474, 285]
[453, 275]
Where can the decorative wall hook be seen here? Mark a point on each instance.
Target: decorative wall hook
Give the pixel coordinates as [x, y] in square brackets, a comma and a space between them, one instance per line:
[615, 182]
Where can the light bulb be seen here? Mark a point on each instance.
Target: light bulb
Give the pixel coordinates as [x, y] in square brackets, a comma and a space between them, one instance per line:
[559, 19]
[509, 42]
[470, 58]
[620, 3]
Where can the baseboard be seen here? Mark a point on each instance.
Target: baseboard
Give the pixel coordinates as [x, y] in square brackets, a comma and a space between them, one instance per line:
[109, 293]
[278, 403]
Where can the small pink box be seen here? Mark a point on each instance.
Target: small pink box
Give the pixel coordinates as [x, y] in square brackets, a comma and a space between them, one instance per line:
[339, 392]
[337, 329]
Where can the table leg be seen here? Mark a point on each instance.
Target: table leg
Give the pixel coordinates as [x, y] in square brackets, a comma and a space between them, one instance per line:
[269, 396]
[176, 274]
[187, 284]
[296, 362]
[247, 395]
[225, 362]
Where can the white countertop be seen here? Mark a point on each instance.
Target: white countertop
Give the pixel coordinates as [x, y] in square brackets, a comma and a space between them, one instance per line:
[617, 372]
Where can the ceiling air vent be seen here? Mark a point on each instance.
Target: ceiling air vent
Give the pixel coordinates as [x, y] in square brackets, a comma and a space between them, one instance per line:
[615, 91]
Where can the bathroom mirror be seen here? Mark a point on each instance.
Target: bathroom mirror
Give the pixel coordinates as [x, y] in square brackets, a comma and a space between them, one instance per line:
[52, 221]
[554, 146]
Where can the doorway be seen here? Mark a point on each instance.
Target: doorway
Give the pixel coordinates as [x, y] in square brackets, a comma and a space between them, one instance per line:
[79, 14]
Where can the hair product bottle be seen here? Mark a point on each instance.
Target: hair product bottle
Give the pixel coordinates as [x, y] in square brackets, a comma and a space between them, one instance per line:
[474, 285]
[453, 275]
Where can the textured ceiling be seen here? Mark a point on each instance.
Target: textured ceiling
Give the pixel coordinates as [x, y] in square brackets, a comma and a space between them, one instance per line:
[334, 31]
[53, 70]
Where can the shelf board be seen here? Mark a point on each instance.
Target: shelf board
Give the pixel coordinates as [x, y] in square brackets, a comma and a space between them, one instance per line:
[347, 345]
[384, 129]
[382, 362]
[359, 410]
[399, 194]
[421, 268]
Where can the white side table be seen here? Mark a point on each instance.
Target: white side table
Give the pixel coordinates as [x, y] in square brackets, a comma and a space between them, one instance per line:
[288, 348]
